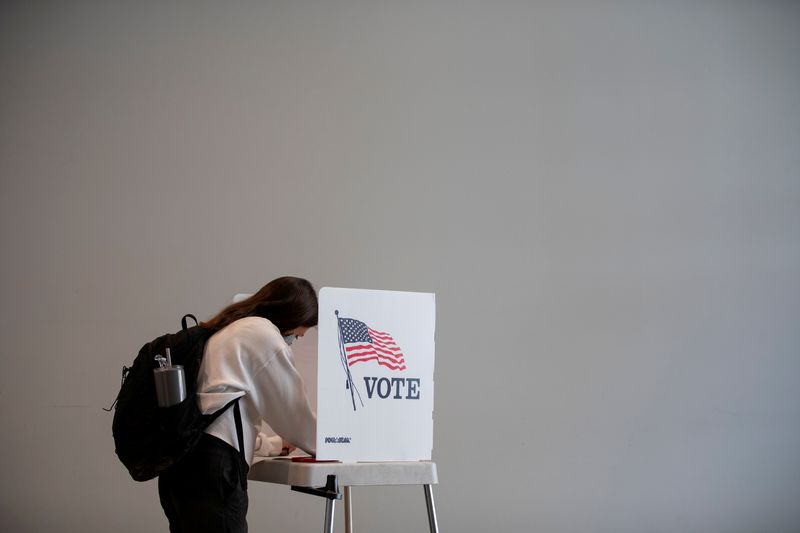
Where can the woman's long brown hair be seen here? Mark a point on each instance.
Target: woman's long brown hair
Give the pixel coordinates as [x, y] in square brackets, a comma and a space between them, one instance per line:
[287, 302]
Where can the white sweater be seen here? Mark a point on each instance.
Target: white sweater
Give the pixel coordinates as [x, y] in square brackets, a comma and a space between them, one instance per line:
[250, 359]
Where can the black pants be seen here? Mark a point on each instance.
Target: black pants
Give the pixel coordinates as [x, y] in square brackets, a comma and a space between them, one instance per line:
[206, 492]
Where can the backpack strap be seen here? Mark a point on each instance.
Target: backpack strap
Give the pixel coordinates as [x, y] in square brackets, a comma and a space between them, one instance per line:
[188, 315]
[237, 416]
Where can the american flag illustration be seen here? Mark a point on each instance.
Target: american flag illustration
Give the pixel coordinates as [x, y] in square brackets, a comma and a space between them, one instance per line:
[362, 343]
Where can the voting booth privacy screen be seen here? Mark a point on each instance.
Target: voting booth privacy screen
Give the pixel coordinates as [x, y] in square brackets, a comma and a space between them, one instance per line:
[375, 375]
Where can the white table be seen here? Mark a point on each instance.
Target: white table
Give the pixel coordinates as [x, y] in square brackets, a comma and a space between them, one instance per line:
[324, 479]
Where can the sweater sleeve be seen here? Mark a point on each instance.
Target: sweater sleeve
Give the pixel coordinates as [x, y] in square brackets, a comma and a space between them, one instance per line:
[289, 412]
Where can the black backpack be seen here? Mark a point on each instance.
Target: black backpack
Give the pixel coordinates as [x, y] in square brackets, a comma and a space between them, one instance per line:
[148, 438]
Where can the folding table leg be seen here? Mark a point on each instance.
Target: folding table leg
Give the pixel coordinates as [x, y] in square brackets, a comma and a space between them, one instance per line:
[329, 509]
[348, 511]
[431, 510]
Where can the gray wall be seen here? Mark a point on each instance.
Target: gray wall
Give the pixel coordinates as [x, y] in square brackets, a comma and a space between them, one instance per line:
[604, 196]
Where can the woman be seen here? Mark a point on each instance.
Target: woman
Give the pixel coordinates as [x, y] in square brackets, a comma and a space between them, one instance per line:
[247, 357]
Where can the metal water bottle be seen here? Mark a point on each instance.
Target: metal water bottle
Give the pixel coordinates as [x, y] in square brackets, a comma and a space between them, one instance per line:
[170, 382]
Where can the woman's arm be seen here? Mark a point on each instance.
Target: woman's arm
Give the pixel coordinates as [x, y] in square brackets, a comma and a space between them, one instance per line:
[288, 411]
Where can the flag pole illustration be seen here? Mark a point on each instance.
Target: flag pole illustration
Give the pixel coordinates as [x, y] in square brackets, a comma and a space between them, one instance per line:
[359, 343]
[350, 384]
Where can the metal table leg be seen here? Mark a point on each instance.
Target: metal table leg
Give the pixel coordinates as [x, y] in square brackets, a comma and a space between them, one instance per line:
[331, 493]
[431, 509]
[348, 511]
[329, 511]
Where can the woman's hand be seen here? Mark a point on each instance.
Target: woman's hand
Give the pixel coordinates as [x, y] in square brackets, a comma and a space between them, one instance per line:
[288, 448]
